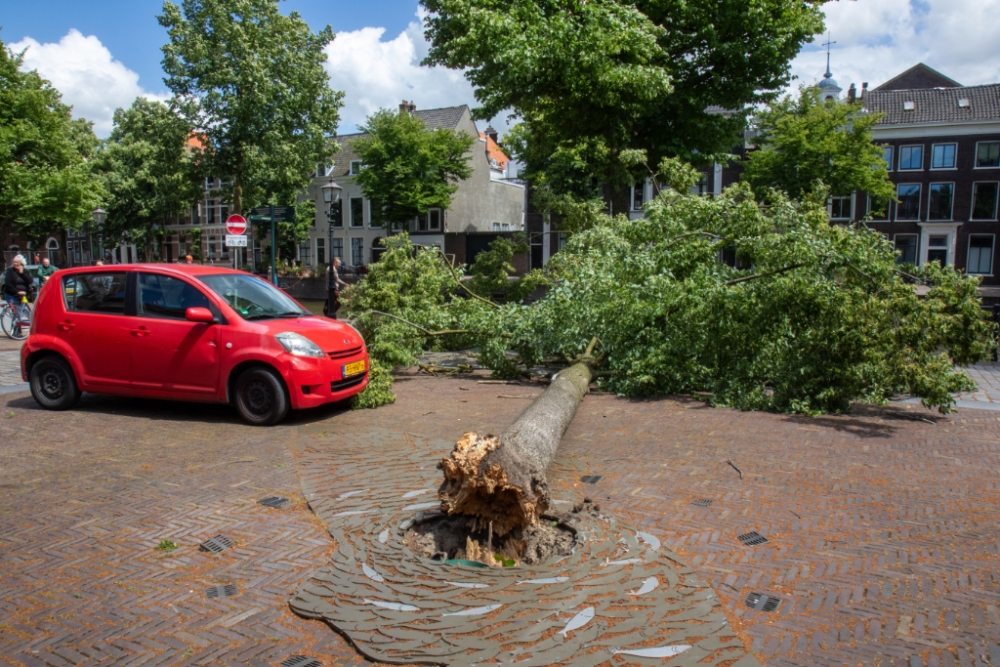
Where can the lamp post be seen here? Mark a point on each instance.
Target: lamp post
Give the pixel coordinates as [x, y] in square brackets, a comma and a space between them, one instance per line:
[331, 195]
[99, 216]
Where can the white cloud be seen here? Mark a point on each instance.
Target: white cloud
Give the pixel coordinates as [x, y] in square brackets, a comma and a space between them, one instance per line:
[82, 69]
[376, 74]
[878, 39]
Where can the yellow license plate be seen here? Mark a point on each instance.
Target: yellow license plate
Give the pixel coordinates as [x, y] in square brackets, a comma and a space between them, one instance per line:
[354, 368]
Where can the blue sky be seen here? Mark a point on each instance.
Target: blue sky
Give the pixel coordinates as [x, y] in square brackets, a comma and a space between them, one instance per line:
[102, 54]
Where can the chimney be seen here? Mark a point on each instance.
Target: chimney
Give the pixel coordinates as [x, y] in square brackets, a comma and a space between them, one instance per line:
[864, 89]
[852, 94]
[412, 107]
[492, 134]
[404, 107]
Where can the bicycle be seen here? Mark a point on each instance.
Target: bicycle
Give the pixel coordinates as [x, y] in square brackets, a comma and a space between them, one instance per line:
[16, 323]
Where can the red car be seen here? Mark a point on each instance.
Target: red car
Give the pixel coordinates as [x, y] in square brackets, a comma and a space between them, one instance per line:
[187, 332]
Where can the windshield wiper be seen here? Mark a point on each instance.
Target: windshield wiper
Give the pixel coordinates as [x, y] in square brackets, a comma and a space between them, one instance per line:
[275, 316]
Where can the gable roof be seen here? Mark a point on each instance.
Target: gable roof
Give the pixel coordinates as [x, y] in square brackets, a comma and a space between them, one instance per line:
[935, 105]
[494, 153]
[918, 77]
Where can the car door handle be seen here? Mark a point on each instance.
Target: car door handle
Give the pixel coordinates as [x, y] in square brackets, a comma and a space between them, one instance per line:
[141, 331]
[66, 326]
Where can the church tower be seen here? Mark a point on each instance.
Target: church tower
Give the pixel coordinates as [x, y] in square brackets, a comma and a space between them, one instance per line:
[828, 88]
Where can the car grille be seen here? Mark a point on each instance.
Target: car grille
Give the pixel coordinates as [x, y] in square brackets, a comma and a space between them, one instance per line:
[341, 385]
[340, 354]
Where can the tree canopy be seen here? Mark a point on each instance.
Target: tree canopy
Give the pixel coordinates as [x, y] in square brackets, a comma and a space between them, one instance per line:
[45, 180]
[811, 317]
[149, 171]
[408, 169]
[805, 142]
[253, 83]
[613, 75]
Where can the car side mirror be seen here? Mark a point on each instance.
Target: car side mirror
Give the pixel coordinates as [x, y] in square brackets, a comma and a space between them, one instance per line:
[199, 315]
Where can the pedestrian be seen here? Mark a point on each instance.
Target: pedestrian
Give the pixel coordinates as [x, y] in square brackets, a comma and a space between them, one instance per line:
[99, 263]
[45, 271]
[188, 259]
[336, 284]
[38, 259]
[17, 284]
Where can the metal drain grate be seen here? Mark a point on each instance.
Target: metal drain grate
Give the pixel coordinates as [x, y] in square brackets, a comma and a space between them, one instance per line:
[752, 539]
[762, 602]
[226, 591]
[216, 544]
[591, 479]
[701, 502]
[277, 502]
[301, 661]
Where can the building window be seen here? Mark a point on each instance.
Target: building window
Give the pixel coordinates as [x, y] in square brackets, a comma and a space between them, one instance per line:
[434, 219]
[211, 183]
[980, 254]
[496, 226]
[908, 207]
[840, 208]
[210, 249]
[887, 156]
[877, 210]
[988, 154]
[211, 212]
[355, 167]
[984, 201]
[937, 249]
[701, 186]
[942, 197]
[371, 220]
[505, 227]
[337, 249]
[320, 251]
[322, 170]
[911, 157]
[357, 252]
[943, 156]
[337, 214]
[906, 248]
[305, 253]
[357, 212]
[637, 193]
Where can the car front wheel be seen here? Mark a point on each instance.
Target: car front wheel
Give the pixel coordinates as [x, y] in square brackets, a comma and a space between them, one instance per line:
[52, 384]
[260, 397]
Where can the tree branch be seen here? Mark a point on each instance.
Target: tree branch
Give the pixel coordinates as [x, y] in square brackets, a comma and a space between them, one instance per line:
[444, 332]
[766, 274]
[459, 282]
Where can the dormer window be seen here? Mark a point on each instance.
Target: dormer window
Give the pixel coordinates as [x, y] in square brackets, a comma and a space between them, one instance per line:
[909, 106]
[963, 102]
[355, 167]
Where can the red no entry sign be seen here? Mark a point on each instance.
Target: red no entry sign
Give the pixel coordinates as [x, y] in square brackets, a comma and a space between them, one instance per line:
[236, 224]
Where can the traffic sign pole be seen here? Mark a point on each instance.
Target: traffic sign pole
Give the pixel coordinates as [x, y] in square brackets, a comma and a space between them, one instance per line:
[274, 250]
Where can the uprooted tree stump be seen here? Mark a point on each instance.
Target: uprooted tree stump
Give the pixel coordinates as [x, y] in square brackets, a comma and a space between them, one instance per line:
[500, 481]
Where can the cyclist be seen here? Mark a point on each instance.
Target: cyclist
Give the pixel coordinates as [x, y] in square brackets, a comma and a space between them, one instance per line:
[45, 271]
[17, 284]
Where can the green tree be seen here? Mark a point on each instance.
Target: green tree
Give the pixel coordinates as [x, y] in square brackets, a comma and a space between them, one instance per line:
[253, 82]
[615, 75]
[45, 179]
[805, 142]
[407, 168]
[148, 170]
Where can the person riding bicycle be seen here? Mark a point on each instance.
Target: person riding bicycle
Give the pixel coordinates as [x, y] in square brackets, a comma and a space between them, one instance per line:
[17, 284]
[45, 271]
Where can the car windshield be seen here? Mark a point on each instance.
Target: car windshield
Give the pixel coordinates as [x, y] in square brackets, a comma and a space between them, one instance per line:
[252, 297]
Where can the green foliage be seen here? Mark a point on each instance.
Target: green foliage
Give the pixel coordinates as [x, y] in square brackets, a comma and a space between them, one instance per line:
[591, 79]
[147, 170]
[492, 270]
[378, 392]
[805, 142]
[166, 546]
[252, 83]
[409, 169]
[45, 180]
[816, 316]
[291, 234]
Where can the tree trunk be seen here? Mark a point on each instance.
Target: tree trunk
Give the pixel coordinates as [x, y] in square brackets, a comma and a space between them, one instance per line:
[501, 480]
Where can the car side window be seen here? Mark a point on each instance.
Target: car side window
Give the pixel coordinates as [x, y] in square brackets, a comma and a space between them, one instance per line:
[165, 296]
[95, 293]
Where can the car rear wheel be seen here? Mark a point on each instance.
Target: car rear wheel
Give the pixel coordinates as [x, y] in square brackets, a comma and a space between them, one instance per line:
[52, 384]
[260, 397]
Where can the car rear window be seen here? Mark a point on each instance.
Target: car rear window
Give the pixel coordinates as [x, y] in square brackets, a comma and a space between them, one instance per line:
[95, 292]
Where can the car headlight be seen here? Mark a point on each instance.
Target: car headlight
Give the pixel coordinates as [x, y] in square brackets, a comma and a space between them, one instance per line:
[299, 345]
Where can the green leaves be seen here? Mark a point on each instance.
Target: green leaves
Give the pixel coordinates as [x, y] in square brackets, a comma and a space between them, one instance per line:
[45, 181]
[407, 168]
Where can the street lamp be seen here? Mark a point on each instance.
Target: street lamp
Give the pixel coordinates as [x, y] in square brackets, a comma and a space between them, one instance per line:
[99, 217]
[331, 195]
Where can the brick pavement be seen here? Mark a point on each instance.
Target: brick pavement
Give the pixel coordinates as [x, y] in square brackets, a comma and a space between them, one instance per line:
[85, 497]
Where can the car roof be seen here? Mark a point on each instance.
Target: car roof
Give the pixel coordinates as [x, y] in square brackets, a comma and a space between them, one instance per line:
[177, 269]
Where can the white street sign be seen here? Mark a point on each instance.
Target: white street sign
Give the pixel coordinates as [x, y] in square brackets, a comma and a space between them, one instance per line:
[236, 241]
